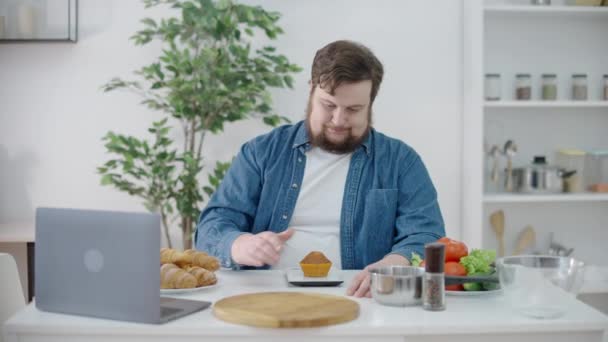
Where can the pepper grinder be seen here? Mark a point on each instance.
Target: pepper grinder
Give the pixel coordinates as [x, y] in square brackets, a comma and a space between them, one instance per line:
[433, 286]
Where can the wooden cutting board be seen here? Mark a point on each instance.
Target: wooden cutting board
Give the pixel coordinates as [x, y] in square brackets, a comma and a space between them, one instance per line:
[286, 309]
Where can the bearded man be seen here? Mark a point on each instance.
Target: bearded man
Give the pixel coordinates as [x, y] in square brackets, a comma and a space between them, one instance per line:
[330, 183]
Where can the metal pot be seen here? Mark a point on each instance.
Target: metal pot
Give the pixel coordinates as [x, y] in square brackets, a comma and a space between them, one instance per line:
[539, 177]
[397, 285]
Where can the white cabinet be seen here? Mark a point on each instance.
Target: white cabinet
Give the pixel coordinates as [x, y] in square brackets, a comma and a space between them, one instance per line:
[508, 38]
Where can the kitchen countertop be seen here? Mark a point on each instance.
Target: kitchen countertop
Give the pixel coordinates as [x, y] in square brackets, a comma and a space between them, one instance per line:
[465, 319]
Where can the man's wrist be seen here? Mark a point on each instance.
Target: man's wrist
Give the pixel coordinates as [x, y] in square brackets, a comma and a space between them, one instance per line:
[396, 259]
[226, 246]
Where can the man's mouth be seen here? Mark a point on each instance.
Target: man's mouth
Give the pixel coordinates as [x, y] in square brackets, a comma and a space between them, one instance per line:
[338, 130]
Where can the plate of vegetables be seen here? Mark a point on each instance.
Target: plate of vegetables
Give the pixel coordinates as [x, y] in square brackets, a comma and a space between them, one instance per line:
[461, 266]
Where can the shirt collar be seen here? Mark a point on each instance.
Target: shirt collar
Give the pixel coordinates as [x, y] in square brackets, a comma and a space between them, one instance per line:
[302, 139]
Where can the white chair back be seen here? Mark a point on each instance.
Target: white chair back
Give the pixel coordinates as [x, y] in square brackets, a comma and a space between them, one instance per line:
[11, 293]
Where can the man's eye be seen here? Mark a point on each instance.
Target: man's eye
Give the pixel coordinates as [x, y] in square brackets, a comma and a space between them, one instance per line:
[352, 110]
[330, 105]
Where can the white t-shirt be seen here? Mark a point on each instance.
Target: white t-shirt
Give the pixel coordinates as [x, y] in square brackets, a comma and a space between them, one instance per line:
[316, 218]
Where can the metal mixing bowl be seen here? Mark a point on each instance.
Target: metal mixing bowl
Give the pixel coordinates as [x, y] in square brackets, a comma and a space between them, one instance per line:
[397, 285]
[538, 285]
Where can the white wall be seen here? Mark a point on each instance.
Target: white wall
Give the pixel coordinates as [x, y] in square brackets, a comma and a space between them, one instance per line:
[53, 114]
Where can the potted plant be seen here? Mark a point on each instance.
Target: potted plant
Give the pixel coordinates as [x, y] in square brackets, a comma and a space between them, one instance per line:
[208, 74]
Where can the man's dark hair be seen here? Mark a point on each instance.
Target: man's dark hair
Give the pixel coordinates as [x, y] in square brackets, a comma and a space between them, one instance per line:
[344, 61]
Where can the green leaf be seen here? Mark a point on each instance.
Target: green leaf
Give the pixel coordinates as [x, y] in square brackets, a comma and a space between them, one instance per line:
[208, 190]
[272, 120]
[106, 180]
[288, 81]
[149, 22]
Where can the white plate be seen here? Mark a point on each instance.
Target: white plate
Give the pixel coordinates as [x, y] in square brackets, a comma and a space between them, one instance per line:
[473, 293]
[194, 289]
[295, 276]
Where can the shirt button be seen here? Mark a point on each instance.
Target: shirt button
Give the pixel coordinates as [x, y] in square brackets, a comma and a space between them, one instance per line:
[284, 217]
[294, 185]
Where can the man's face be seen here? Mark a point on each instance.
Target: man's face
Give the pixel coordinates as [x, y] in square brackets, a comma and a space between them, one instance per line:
[339, 123]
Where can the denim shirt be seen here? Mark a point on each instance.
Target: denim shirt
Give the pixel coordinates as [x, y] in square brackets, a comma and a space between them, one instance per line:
[389, 203]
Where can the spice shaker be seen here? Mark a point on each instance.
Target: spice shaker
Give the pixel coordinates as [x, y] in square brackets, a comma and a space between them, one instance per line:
[549, 87]
[579, 87]
[523, 87]
[492, 87]
[433, 285]
[606, 87]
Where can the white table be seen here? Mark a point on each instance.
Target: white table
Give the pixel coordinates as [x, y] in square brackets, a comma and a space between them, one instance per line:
[466, 319]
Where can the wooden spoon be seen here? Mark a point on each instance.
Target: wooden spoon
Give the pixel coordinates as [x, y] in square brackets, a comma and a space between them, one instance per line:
[497, 220]
[527, 237]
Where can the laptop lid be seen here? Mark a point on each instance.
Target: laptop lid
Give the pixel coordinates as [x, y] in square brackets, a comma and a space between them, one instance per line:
[98, 263]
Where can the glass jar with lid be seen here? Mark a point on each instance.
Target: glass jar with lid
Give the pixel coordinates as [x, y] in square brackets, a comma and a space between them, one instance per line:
[549, 87]
[523, 86]
[579, 87]
[573, 160]
[598, 171]
[492, 87]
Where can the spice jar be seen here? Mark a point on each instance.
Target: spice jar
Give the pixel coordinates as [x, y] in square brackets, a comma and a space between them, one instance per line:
[549, 87]
[598, 171]
[606, 86]
[433, 285]
[569, 160]
[579, 87]
[492, 87]
[523, 87]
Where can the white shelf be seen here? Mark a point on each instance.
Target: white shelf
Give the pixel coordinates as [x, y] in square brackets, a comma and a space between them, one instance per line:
[546, 104]
[506, 38]
[530, 9]
[529, 198]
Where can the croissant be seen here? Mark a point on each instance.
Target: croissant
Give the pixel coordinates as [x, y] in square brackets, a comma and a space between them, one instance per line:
[173, 277]
[200, 259]
[203, 276]
[169, 256]
[188, 257]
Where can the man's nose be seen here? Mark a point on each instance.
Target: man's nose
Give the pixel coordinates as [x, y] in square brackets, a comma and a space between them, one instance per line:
[339, 117]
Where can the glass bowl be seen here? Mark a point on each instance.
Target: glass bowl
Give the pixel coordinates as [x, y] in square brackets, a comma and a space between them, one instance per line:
[538, 285]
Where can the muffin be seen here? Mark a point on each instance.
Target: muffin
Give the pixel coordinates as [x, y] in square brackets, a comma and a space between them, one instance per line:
[315, 264]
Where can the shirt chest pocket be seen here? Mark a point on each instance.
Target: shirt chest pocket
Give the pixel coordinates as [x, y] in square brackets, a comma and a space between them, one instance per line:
[379, 219]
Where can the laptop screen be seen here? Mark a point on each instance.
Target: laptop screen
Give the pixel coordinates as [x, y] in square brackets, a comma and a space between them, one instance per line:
[98, 263]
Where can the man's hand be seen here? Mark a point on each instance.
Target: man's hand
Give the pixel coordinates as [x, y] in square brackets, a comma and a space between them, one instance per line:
[259, 249]
[361, 282]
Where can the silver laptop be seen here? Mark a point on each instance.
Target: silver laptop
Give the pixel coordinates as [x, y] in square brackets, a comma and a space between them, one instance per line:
[103, 264]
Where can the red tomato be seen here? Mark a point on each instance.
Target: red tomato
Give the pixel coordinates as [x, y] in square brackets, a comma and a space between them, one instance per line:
[454, 287]
[454, 250]
[454, 268]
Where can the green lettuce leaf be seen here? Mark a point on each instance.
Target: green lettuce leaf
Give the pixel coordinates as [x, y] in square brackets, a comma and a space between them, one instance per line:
[479, 261]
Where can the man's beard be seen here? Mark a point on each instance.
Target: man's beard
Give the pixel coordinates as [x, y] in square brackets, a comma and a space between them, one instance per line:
[350, 144]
